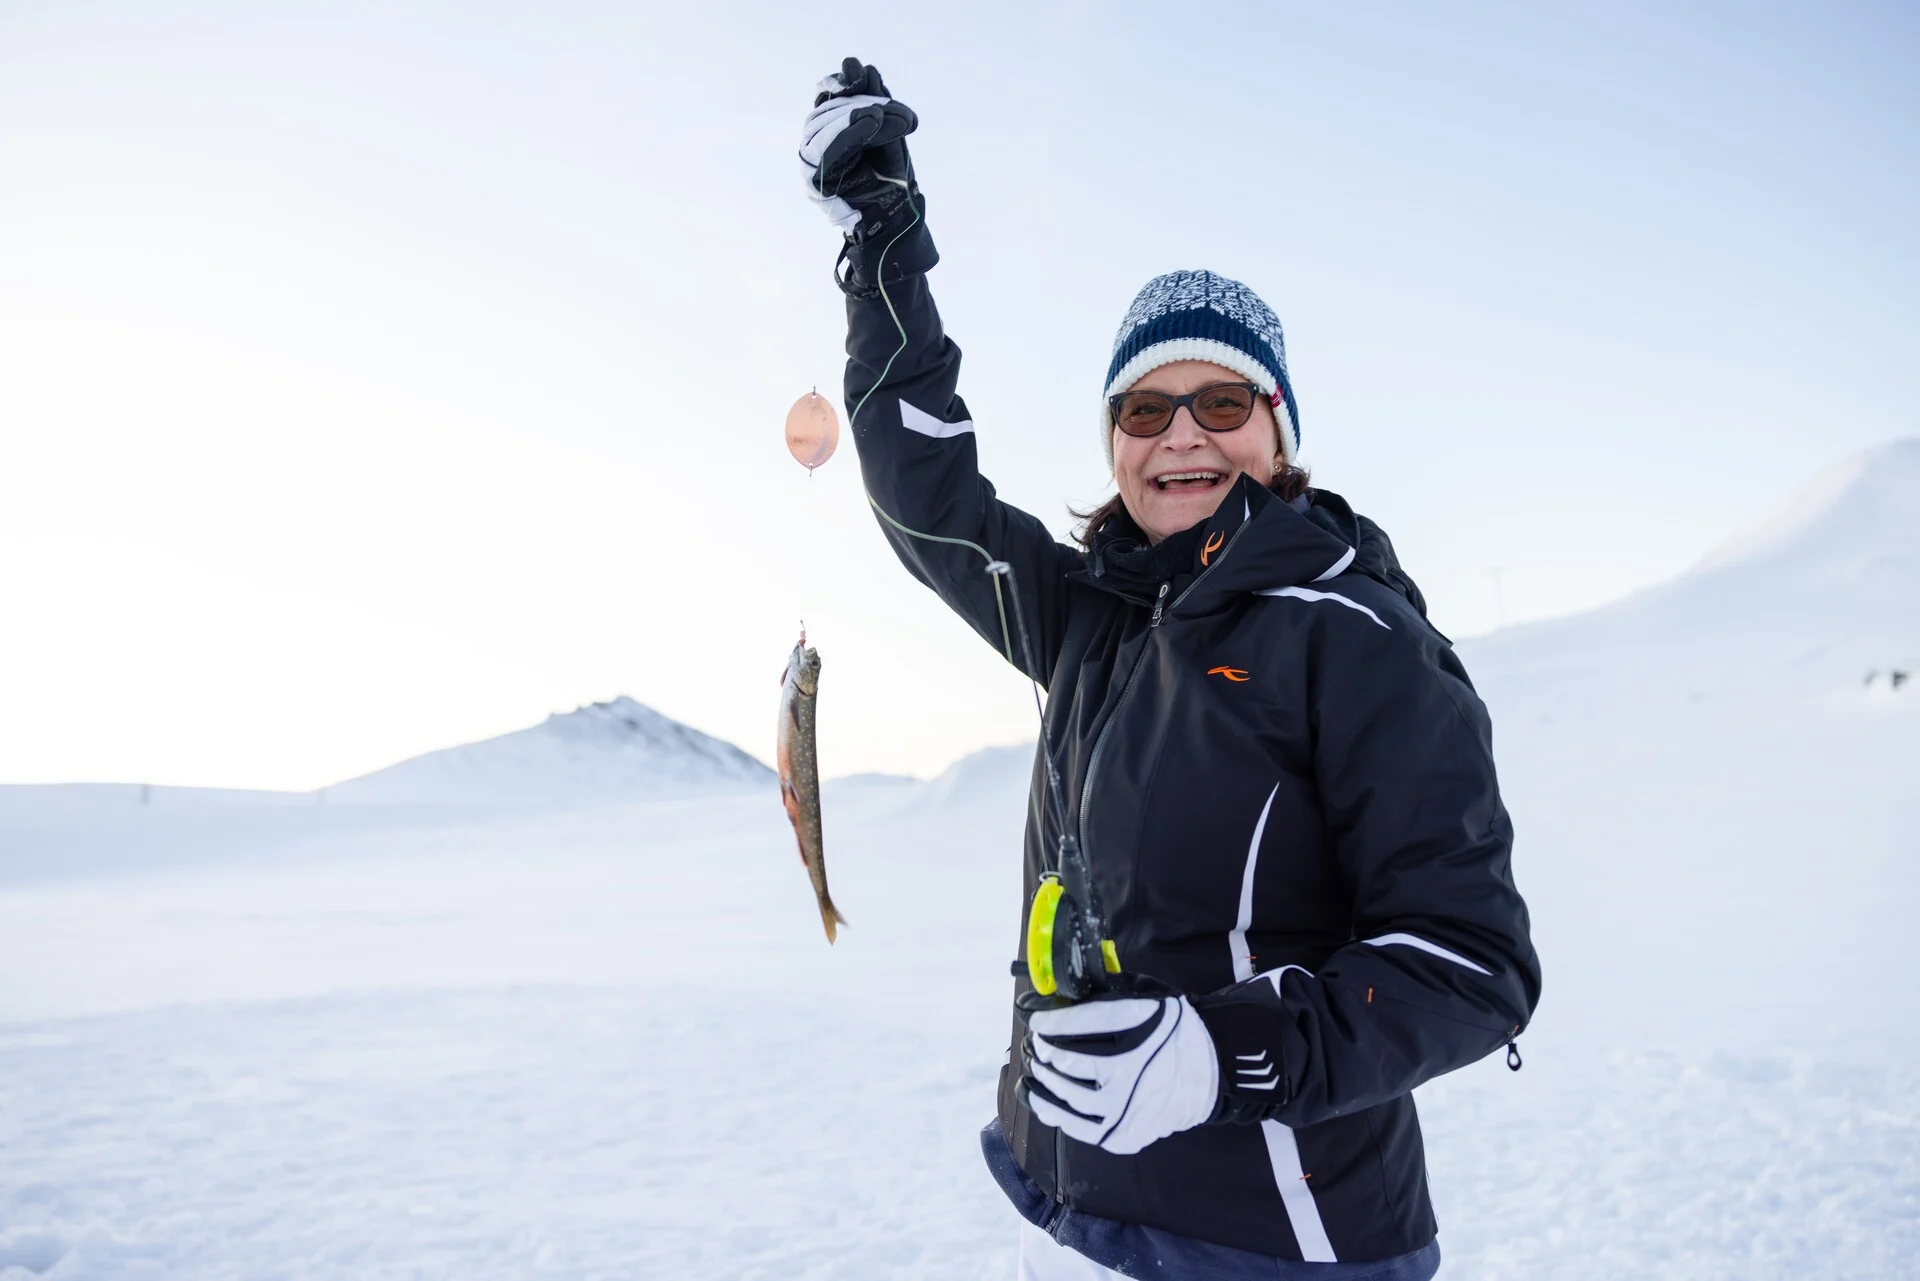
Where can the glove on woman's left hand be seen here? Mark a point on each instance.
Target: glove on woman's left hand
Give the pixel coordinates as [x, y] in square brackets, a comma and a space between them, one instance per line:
[853, 149]
[1121, 1072]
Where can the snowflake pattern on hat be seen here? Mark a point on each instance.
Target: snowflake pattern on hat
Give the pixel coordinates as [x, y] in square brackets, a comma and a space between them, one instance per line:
[1195, 290]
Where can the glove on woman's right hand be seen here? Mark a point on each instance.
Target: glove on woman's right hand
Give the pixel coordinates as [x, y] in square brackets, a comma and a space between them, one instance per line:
[853, 149]
[1121, 1072]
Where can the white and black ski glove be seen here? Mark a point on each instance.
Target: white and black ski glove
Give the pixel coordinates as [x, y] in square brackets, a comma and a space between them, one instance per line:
[853, 150]
[1121, 1073]
[854, 156]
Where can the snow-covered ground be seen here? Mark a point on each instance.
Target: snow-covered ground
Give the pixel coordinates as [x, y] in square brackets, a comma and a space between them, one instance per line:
[496, 1027]
[608, 1043]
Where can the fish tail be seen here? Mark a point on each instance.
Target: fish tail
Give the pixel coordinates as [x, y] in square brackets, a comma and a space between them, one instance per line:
[830, 917]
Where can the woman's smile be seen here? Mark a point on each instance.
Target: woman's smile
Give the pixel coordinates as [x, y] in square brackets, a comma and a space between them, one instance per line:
[1184, 480]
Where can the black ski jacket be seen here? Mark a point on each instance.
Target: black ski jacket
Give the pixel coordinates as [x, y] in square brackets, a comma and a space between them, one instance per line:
[1284, 785]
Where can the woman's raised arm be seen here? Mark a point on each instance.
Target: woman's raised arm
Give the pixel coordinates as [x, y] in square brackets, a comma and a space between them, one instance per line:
[913, 432]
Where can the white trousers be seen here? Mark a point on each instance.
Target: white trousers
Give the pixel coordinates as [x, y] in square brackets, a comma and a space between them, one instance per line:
[1044, 1259]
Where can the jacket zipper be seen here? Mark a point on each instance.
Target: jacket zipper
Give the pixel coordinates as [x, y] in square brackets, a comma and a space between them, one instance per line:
[1159, 610]
[1100, 739]
[1093, 766]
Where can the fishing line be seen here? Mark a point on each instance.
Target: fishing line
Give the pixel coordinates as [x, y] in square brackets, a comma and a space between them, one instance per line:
[1068, 955]
[995, 569]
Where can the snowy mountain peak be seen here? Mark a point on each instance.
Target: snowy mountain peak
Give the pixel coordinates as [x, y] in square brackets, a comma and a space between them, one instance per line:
[611, 752]
[618, 719]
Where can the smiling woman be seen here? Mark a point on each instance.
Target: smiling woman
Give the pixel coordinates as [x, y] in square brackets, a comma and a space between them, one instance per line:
[1274, 775]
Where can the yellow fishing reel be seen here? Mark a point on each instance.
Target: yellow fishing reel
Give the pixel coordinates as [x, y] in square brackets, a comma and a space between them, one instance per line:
[1065, 957]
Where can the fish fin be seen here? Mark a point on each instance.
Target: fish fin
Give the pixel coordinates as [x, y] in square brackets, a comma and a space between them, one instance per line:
[831, 918]
[790, 800]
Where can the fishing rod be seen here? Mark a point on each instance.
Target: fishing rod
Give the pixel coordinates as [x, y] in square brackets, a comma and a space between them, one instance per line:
[1069, 951]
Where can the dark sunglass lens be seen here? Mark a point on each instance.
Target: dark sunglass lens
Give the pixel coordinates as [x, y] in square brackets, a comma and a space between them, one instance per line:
[1143, 413]
[1223, 408]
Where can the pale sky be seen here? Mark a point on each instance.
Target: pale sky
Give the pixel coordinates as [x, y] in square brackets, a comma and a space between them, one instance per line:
[379, 377]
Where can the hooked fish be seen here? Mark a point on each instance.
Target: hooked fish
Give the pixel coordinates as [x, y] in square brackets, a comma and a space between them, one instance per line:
[800, 772]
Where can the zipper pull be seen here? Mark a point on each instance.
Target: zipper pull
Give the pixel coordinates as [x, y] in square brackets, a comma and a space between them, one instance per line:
[1159, 604]
[1513, 1052]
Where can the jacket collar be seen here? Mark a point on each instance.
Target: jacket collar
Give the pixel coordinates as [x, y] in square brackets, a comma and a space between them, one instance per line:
[1265, 543]
[1252, 542]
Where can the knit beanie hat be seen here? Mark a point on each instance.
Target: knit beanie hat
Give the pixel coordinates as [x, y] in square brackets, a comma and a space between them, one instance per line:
[1196, 315]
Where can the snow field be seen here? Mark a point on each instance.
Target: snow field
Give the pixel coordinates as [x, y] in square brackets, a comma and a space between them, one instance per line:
[594, 1044]
[614, 1043]
[1676, 1161]
[505, 1133]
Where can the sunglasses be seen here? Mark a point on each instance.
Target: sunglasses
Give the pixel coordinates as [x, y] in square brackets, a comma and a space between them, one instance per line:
[1221, 407]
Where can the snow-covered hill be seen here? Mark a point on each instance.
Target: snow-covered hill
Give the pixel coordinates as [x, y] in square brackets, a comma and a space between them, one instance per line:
[602, 753]
[1808, 603]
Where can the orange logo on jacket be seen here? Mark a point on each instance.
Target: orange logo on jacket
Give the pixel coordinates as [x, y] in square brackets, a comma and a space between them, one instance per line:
[1213, 545]
[1231, 673]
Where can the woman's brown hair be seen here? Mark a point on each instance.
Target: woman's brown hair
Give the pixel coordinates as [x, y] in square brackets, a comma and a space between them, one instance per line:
[1289, 482]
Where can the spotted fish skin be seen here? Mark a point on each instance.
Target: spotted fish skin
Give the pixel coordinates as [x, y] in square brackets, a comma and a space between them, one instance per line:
[799, 770]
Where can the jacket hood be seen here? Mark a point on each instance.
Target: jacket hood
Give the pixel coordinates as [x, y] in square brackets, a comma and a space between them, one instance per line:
[1373, 550]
